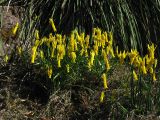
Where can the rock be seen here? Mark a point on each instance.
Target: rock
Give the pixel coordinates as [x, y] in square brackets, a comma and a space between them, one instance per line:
[9, 17]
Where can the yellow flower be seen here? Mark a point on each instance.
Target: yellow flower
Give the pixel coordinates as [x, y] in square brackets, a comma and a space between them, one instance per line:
[73, 57]
[151, 70]
[37, 34]
[107, 64]
[122, 56]
[59, 63]
[154, 76]
[34, 48]
[68, 69]
[50, 72]
[52, 24]
[151, 50]
[14, 30]
[111, 51]
[95, 47]
[143, 67]
[132, 55]
[135, 75]
[104, 81]
[102, 96]
[92, 56]
[136, 62]
[37, 42]
[6, 58]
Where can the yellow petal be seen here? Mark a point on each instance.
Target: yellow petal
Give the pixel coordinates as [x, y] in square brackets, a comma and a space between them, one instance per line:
[52, 24]
[102, 96]
[135, 75]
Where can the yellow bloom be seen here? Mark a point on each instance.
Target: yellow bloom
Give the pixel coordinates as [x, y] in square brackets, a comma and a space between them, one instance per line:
[50, 72]
[136, 62]
[95, 47]
[102, 96]
[33, 54]
[68, 69]
[135, 75]
[111, 51]
[6, 58]
[154, 76]
[59, 63]
[52, 24]
[143, 67]
[151, 50]
[151, 70]
[122, 56]
[73, 57]
[107, 64]
[37, 34]
[132, 55]
[104, 81]
[92, 56]
[37, 42]
[14, 30]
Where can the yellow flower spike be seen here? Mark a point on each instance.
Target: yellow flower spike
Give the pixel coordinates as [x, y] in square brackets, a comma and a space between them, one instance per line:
[102, 97]
[104, 81]
[151, 70]
[37, 34]
[82, 51]
[52, 52]
[143, 67]
[73, 57]
[95, 47]
[122, 56]
[34, 48]
[132, 55]
[87, 41]
[92, 53]
[67, 67]
[52, 24]
[15, 28]
[136, 62]
[154, 76]
[37, 42]
[86, 53]
[107, 64]
[151, 50]
[106, 38]
[6, 58]
[59, 63]
[135, 75]
[50, 71]
[148, 60]
[111, 51]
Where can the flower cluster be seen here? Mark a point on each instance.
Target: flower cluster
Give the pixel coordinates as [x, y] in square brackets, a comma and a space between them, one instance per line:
[76, 44]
